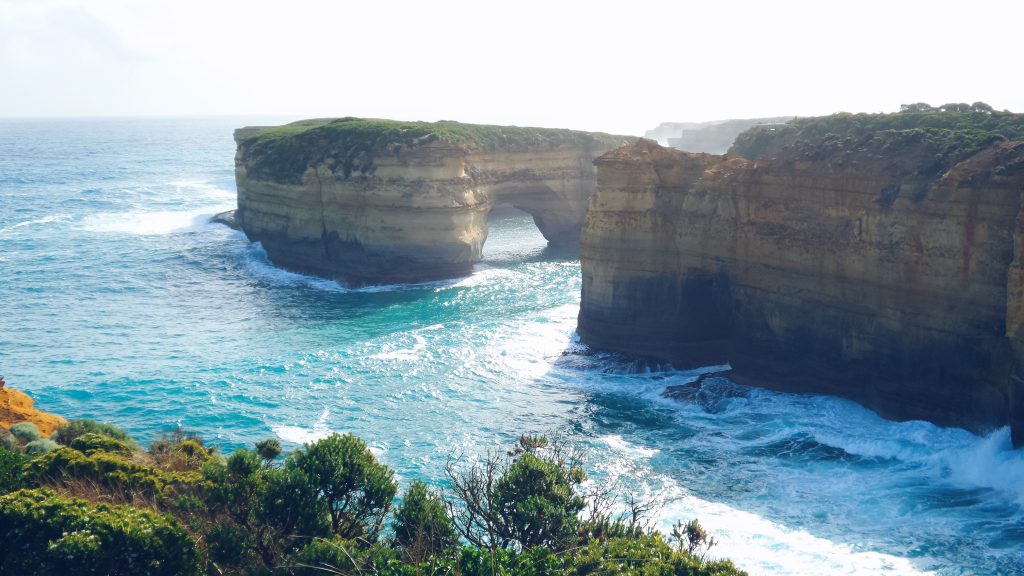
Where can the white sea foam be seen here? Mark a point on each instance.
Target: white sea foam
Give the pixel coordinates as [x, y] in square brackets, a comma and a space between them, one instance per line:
[754, 543]
[152, 223]
[412, 353]
[254, 258]
[303, 434]
[203, 187]
[760, 546]
[256, 261]
[38, 221]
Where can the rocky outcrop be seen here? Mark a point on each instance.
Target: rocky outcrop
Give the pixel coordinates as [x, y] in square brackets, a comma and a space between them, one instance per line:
[16, 406]
[376, 201]
[859, 267]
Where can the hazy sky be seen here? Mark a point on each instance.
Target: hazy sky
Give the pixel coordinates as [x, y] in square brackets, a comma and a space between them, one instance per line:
[619, 66]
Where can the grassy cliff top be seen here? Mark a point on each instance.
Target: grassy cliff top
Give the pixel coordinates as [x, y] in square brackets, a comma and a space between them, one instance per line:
[283, 153]
[484, 136]
[975, 123]
[921, 139]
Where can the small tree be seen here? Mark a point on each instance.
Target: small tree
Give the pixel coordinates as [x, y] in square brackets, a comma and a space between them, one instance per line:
[523, 499]
[343, 478]
[422, 526]
[268, 449]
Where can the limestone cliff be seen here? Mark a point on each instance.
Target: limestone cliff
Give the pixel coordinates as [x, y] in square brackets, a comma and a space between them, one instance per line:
[377, 201]
[16, 406]
[885, 267]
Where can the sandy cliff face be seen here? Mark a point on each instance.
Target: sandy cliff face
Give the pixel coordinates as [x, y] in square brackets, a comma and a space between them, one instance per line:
[851, 274]
[406, 212]
[16, 406]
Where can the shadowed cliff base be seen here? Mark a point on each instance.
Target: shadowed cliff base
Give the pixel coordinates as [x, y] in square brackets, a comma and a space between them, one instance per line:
[382, 202]
[853, 256]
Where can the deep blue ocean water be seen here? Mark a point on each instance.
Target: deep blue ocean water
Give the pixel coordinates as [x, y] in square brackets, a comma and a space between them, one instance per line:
[119, 302]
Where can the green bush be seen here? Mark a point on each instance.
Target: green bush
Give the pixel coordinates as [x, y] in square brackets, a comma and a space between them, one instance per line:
[422, 526]
[40, 447]
[45, 534]
[26, 432]
[268, 449]
[643, 556]
[67, 433]
[92, 442]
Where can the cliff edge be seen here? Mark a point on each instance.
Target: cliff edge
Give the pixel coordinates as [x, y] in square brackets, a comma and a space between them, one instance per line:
[878, 264]
[380, 201]
[16, 406]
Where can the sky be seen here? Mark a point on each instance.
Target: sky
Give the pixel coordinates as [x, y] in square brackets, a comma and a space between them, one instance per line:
[620, 67]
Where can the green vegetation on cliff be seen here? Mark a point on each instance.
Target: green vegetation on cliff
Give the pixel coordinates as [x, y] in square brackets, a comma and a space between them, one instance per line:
[926, 140]
[348, 146]
[102, 506]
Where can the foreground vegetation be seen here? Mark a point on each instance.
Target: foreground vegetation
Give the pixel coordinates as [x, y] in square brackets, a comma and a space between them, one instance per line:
[349, 146]
[91, 501]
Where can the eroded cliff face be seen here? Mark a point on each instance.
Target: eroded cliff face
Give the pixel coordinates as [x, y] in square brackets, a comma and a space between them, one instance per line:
[407, 209]
[860, 275]
[16, 406]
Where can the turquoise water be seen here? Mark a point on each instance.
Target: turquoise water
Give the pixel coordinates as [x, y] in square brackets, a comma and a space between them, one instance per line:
[119, 302]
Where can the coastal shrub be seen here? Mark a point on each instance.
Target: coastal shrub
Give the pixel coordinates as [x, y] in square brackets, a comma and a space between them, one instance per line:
[7, 440]
[643, 556]
[45, 534]
[40, 447]
[692, 537]
[346, 482]
[111, 471]
[92, 442]
[11, 462]
[326, 556]
[66, 433]
[421, 525]
[180, 451]
[26, 432]
[229, 544]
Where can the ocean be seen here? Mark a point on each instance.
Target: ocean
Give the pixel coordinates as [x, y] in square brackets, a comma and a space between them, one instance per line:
[120, 302]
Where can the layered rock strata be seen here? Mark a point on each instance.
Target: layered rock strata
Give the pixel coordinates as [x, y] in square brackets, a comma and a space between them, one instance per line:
[375, 201]
[867, 274]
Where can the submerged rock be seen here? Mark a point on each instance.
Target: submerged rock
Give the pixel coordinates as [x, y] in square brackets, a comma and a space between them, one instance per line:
[226, 218]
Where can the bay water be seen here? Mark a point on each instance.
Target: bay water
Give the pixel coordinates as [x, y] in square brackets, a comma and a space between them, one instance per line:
[120, 302]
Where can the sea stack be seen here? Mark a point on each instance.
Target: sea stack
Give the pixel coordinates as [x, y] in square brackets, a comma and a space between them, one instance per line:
[380, 201]
[882, 265]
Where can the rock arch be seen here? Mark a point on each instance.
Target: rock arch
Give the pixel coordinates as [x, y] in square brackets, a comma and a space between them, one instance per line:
[403, 209]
